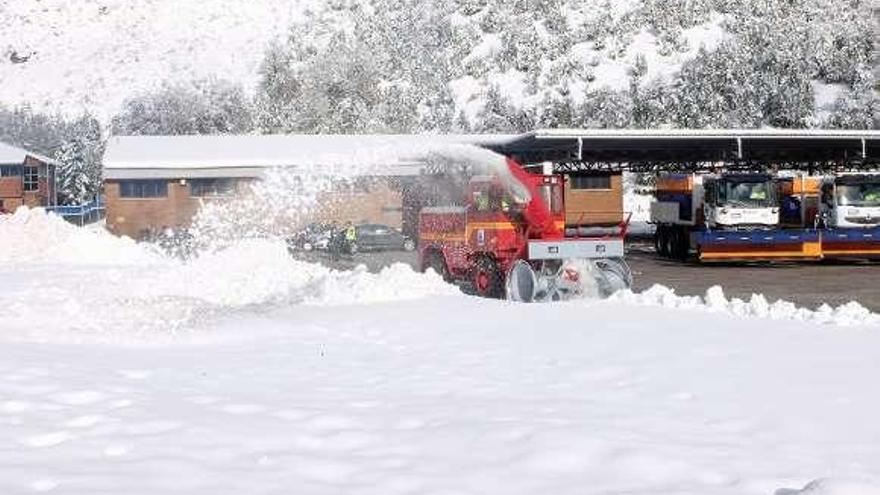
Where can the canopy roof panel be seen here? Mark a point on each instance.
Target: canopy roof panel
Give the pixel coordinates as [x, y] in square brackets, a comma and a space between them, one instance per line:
[673, 147]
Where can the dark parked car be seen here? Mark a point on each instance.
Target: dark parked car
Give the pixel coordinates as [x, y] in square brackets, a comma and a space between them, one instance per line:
[375, 237]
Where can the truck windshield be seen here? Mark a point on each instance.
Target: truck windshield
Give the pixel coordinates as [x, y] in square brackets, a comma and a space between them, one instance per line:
[745, 194]
[858, 194]
[552, 196]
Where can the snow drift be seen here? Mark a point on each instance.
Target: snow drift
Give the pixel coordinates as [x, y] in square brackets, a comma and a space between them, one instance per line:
[98, 284]
[101, 284]
[850, 314]
[300, 382]
[34, 236]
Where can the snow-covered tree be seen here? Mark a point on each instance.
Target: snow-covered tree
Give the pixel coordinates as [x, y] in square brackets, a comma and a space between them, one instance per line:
[859, 107]
[80, 152]
[401, 60]
[213, 107]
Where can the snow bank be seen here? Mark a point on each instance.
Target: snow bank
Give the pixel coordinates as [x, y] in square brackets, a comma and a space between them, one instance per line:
[118, 301]
[833, 487]
[260, 272]
[398, 282]
[850, 314]
[35, 236]
[98, 284]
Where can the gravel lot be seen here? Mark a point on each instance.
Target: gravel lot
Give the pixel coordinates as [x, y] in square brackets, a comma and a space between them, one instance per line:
[807, 284]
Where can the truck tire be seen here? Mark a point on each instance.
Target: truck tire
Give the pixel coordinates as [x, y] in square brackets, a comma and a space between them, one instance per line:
[685, 244]
[487, 279]
[657, 239]
[663, 241]
[680, 244]
[436, 262]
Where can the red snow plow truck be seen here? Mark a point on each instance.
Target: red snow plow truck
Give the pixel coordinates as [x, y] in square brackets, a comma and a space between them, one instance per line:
[507, 237]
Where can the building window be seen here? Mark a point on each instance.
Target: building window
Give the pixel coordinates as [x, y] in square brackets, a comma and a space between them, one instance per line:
[211, 187]
[31, 178]
[591, 182]
[10, 170]
[143, 189]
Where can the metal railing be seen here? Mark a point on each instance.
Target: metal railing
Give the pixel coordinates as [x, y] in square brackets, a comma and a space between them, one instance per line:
[83, 214]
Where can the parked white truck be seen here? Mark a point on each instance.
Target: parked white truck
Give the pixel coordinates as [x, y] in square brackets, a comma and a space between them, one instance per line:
[843, 209]
[725, 217]
[850, 201]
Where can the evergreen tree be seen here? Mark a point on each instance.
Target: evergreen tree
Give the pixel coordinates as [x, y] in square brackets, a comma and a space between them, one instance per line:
[80, 152]
[204, 108]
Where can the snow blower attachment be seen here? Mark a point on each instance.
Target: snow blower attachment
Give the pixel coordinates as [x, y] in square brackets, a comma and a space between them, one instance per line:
[509, 240]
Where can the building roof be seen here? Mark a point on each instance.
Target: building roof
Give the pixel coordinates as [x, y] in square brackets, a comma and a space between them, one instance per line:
[10, 155]
[671, 147]
[249, 155]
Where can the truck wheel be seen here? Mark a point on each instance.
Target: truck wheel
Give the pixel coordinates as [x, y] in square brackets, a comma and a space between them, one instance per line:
[487, 279]
[678, 247]
[436, 262]
[663, 241]
[684, 244]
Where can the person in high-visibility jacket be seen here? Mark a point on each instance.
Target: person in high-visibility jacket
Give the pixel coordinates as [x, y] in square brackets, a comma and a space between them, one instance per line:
[350, 237]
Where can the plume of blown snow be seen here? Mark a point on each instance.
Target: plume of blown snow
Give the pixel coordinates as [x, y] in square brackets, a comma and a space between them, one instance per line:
[273, 207]
[849, 314]
[286, 198]
[31, 235]
[479, 161]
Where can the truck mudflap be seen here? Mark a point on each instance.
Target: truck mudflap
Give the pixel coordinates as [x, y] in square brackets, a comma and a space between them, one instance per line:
[851, 243]
[758, 245]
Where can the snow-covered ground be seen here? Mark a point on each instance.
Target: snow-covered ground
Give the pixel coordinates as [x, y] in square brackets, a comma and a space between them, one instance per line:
[247, 372]
[92, 54]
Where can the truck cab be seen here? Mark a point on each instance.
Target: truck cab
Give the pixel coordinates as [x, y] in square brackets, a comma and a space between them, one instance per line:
[726, 217]
[740, 202]
[851, 201]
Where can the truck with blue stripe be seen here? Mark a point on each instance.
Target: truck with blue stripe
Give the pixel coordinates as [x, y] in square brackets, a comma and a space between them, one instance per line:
[844, 208]
[726, 217]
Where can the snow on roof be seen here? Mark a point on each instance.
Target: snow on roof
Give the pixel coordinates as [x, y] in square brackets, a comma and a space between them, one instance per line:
[10, 155]
[155, 155]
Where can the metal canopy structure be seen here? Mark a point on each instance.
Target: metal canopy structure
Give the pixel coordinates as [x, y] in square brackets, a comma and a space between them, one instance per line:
[578, 150]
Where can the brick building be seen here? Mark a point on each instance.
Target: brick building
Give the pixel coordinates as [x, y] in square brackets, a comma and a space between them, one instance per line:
[157, 182]
[26, 179]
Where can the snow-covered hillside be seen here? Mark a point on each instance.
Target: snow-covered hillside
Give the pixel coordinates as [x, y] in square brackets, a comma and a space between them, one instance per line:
[462, 65]
[92, 54]
[247, 372]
